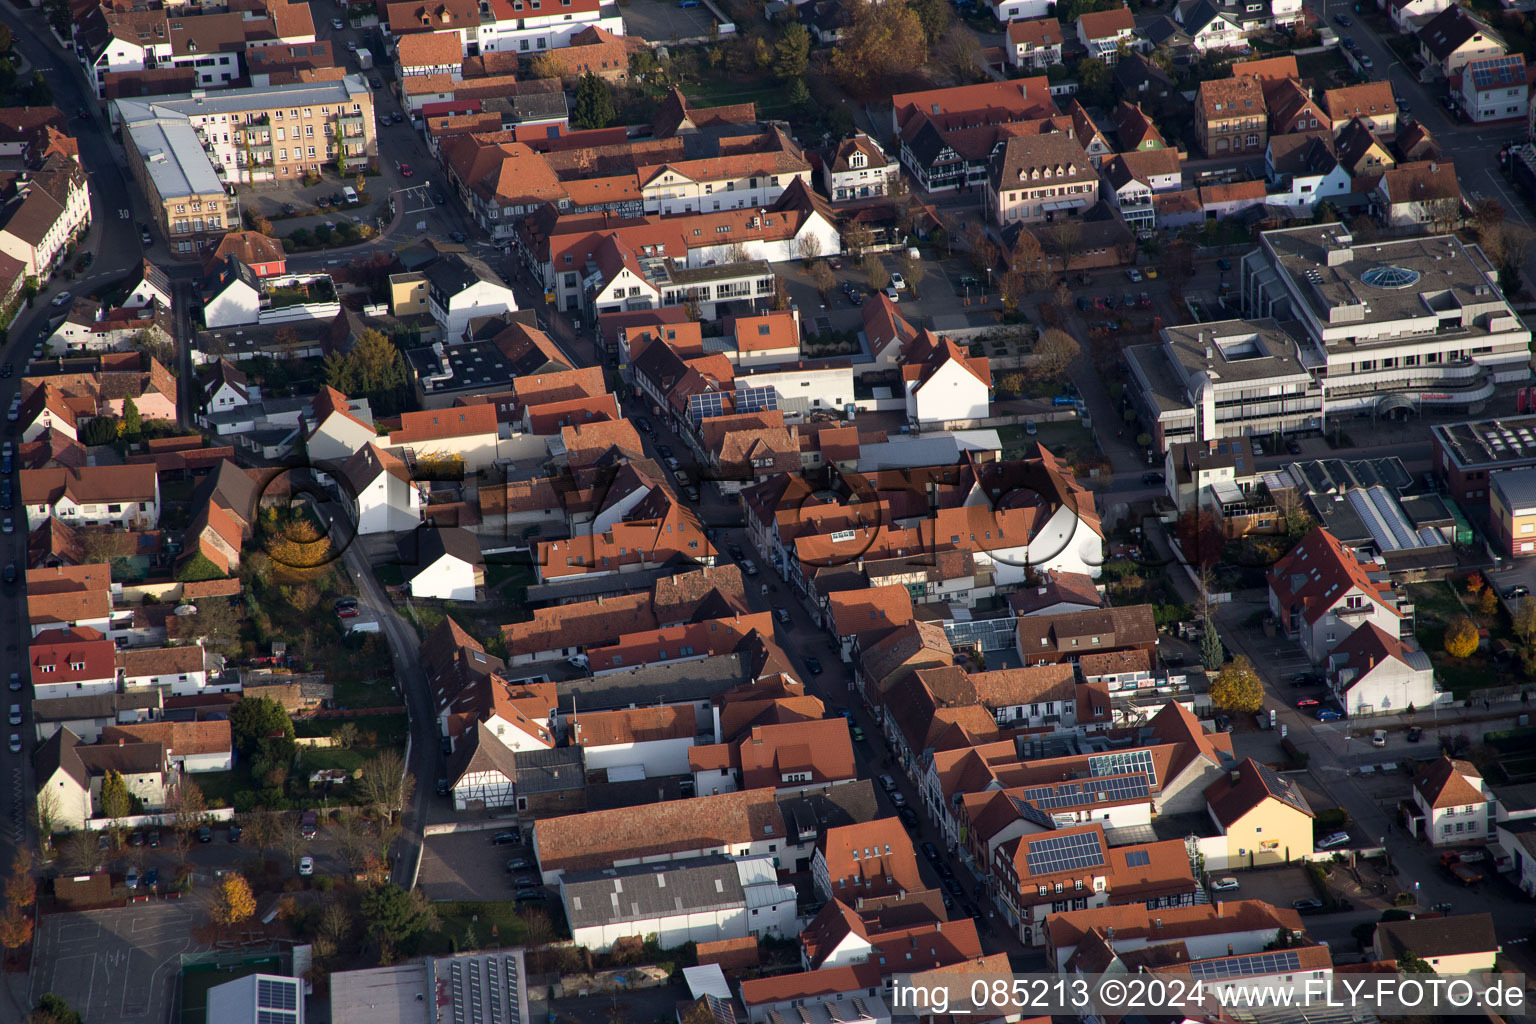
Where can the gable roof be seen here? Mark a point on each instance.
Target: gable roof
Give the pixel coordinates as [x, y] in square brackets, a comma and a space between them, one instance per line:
[597, 838]
[1437, 936]
[1104, 24]
[1317, 573]
[1444, 783]
[1452, 29]
[1368, 646]
[1248, 786]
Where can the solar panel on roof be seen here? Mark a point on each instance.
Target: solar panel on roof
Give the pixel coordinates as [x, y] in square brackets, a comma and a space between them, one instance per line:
[764, 399]
[1138, 859]
[1274, 962]
[1064, 853]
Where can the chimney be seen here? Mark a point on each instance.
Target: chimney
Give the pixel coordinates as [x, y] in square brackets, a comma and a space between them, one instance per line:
[1109, 932]
[1237, 776]
[121, 741]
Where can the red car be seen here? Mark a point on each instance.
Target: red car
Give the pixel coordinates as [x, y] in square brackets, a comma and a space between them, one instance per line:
[351, 613]
[1306, 702]
[405, 171]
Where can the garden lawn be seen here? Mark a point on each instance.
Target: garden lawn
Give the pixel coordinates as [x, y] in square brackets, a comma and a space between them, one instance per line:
[1434, 606]
[456, 919]
[1067, 439]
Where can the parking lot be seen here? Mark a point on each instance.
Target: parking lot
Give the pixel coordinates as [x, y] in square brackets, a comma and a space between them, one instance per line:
[662, 21]
[115, 965]
[468, 866]
[1280, 886]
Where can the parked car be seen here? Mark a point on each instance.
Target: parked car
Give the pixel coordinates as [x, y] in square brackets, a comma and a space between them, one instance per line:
[10, 572]
[1306, 679]
[1379, 738]
[893, 294]
[15, 681]
[306, 866]
[1134, 275]
[539, 895]
[15, 714]
[204, 834]
[1307, 702]
[898, 801]
[507, 837]
[154, 837]
[518, 864]
[1310, 905]
[908, 818]
[749, 567]
[15, 742]
[526, 882]
[309, 824]
[1333, 839]
[1365, 61]
[692, 492]
[1343, 20]
[856, 733]
[1293, 446]
[781, 615]
[337, 24]
[1224, 884]
[1152, 477]
[63, 299]
[813, 666]
[1415, 734]
[735, 550]
[234, 833]
[930, 851]
[1518, 590]
[888, 783]
[131, 879]
[1329, 715]
[898, 282]
[151, 878]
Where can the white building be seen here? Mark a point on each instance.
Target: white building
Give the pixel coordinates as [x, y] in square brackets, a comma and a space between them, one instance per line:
[72, 662]
[1398, 324]
[384, 497]
[1495, 89]
[637, 743]
[461, 287]
[944, 384]
[443, 563]
[519, 27]
[858, 169]
[701, 900]
[1454, 803]
[258, 999]
[1373, 672]
[1321, 593]
[126, 497]
[183, 669]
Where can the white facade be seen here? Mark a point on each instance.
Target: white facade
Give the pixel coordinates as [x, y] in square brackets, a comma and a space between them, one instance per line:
[44, 690]
[339, 437]
[1461, 823]
[803, 389]
[125, 514]
[447, 579]
[1020, 10]
[237, 303]
[1390, 686]
[388, 504]
[483, 789]
[656, 758]
[542, 32]
[671, 192]
[952, 392]
[483, 298]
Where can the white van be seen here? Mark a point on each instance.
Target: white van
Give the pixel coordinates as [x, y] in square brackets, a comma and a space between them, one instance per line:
[350, 193]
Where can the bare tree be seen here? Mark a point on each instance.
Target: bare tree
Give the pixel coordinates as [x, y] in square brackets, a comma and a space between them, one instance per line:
[187, 809]
[875, 274]
[734, 253]
[352, 836]
[45, 818]
[288, 839]
[79, 851]
[809, 246]
[913, 270]
[386, 784]
[1054, 355]
[857, 238]
[821, 278]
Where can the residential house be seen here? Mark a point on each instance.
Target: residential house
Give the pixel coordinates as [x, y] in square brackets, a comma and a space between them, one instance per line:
[1321, 592]
[1454, 38]
[1495, 88]
[870, 860]
[1426, 193]
[443, 563]
[336, 427]
[1263, 815]
[1231, 118]
[1456, 944]
[857, 169]
[646, 743]
[1039, 179]
[460, 287]
[1361, 153]
[152, 288]
[1034, 45]
[1136, 130]
[1203, 26]
[127, 497]
[1408, 15]
[384, 496]
[265, 256]
[1302, 169]
[74, 772]
[1224, 928]
[1102, 33]
[1006, 11]
[183, 670]
[1372, 103]
[464, 435]
[1052, 639]
[1453, 804]
[76, 661]
[942, 383]
[191, 747]
[1373, 671]
[44, 213]
[789, 756]
[849, 995]
[1292, 108]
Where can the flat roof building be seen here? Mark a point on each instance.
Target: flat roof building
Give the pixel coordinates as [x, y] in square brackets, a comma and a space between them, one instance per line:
[1466, 455]
[473, 988]
[1204, 382]
[1389, 326]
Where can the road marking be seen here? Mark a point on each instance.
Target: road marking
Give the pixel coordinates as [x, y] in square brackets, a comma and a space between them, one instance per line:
[1511, 203]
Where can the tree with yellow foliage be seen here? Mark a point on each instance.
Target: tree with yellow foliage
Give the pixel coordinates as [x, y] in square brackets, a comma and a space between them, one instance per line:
[233, 901]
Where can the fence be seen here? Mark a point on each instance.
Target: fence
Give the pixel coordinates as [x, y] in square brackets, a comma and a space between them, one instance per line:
[159, 820]
[487, 825]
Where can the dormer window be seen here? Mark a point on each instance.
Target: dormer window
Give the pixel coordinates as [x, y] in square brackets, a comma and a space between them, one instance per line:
[857, 160]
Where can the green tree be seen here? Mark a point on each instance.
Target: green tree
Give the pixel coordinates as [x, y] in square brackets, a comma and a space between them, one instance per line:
[197, 569]
[934, 15]
[51, 1009]
[116, 801]
[792, 53]
[594, 103]
[799, 97]
[1093, 80]
[132, 424]
[99, 430]
[1412, 963]
[1461, 637]
[1212, 654]
[39, 94]
[374, 369]
[393, 916]
[255, 720]
[5, 39]
[1237, 687]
